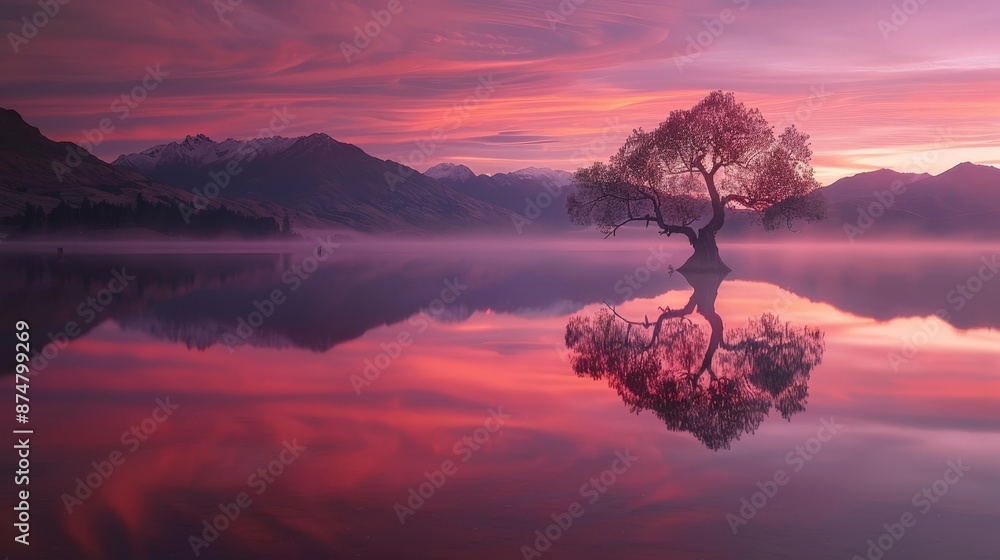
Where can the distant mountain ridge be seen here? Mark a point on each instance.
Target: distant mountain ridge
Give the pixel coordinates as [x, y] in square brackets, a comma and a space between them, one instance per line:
[461, 173]
[862, 185]
[450, 172]
[963, 202]
[520, 192]
[316, 175]
[38, 171]
[198, 150]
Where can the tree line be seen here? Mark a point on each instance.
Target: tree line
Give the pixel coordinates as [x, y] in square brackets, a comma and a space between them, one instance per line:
[163, 218]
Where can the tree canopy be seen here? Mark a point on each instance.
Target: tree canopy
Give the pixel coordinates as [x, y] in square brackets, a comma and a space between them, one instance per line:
[700, 161]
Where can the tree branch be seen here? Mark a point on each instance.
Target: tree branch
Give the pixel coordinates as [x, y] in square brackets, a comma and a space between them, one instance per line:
[658, 324]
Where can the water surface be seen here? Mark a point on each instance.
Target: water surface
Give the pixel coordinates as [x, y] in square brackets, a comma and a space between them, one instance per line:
[383, 364]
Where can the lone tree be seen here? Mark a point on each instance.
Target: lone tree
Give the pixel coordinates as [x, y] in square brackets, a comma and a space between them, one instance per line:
[698, 162]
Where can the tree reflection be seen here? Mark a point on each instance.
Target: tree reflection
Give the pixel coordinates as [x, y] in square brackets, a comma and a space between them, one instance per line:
[714, 383]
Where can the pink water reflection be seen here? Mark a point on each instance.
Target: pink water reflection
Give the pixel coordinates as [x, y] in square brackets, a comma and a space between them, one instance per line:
[365, 451]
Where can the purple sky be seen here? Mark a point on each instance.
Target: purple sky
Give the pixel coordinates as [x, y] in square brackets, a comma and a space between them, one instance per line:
[569, 81]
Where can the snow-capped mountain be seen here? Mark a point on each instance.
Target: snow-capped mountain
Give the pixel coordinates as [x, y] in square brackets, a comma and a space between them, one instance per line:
[556, 177]
[450, 172]
[38, 171]
[523, 191]
[461, 174]
[200, 151]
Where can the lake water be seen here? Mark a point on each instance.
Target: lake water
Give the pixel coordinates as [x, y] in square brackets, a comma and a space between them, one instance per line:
[418, 400]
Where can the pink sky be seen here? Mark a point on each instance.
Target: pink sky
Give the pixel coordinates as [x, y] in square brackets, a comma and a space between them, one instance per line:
[567, 91]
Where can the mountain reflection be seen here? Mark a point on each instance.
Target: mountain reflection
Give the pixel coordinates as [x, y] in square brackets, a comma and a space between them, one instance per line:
[198, 299]
[716, 384]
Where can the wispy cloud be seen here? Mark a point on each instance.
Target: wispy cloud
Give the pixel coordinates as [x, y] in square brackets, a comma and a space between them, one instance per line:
[561, 82]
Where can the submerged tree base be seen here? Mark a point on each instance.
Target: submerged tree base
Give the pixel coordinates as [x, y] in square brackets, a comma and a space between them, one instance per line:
[704, 263]
[706, 256]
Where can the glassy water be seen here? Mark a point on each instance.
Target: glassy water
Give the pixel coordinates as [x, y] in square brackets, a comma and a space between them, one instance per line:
[491, 400]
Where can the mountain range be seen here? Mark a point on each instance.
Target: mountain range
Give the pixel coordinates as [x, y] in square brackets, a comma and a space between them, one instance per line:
[31, 171]
[38, 171]
[964, 200]
[316, 175]
[321, 182]
[515, 191]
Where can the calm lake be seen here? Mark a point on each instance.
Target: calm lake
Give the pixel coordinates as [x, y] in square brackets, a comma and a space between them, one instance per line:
[419, 400]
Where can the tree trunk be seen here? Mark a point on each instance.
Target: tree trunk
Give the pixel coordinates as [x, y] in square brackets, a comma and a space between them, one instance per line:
[706, 255]
[706, 291]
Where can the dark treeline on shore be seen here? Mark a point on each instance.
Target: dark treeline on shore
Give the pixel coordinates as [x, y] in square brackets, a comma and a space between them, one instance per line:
[154, 216]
